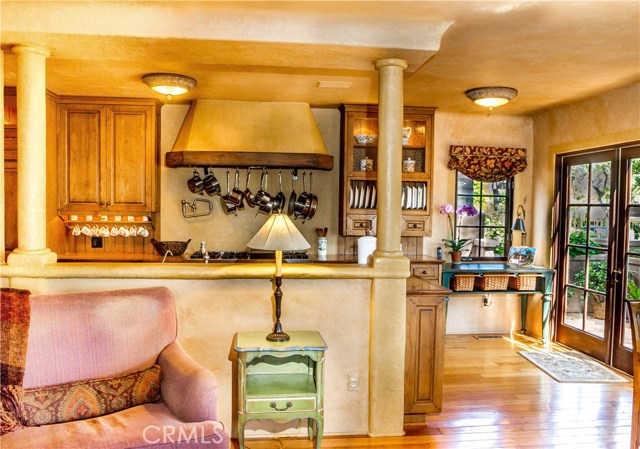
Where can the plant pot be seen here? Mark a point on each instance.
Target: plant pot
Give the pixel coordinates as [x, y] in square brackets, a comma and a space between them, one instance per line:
[598, 310]
[456, 256]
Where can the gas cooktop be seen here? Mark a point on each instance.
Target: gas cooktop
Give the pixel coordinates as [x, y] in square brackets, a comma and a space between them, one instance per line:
[253, 256]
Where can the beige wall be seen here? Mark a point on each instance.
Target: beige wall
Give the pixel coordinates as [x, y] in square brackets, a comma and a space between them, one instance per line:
[466, 313]
[607, 119]
[211, 312]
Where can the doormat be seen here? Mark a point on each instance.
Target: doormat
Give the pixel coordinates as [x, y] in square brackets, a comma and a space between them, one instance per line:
[571, 366]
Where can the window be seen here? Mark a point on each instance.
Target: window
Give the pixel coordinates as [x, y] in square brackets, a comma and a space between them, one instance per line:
[490, 230]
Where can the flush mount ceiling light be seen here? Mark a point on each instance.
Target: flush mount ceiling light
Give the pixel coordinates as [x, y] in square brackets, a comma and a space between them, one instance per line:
[169, 84]
[491, 96]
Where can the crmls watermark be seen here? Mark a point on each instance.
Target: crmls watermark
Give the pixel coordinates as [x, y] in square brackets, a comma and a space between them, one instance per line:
[209, 432]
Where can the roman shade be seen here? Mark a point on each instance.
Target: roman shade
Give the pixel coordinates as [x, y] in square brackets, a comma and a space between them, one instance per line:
[487, 164]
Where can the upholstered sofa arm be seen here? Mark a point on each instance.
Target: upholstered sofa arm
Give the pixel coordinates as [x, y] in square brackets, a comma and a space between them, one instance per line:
[189, 390]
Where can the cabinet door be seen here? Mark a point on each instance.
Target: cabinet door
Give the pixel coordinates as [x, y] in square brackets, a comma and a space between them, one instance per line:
[132, 158]
[81, 137]
[424, 354]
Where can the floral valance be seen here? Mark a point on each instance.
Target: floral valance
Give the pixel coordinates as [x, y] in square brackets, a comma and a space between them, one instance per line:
[487, 164]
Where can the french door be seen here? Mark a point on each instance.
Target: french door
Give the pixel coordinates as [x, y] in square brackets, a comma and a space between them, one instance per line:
[598, 251]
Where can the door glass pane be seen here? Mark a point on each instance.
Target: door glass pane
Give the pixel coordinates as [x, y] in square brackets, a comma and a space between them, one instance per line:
[599, 225]
[574, 307]
[595, 314]
[579, 180]
[634, 230]
[600, 183]
[626, 330]
[632, 292]
[635, 182]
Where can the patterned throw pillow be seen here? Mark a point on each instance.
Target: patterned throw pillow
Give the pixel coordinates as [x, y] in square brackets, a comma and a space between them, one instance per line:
[91, 398]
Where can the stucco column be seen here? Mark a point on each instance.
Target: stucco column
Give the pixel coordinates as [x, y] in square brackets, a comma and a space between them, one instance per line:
[387, 331]
[390, 116]
[2, 241]
[32, 154]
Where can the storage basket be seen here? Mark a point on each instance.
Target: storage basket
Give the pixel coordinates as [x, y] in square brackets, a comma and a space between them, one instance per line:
[492, 282]
[462, 282]
[523, 282]
[176, 247]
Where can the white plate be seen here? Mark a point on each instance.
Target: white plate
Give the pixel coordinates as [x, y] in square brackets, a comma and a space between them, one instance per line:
[419, 202]
[373, 197]
[350, 196]
[424, 196]
[367, 197]
[356, 194]
[361, 204]
[409, 197]
[402, 198]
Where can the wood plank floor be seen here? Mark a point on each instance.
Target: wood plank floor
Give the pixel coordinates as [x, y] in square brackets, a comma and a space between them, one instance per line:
[494, 398]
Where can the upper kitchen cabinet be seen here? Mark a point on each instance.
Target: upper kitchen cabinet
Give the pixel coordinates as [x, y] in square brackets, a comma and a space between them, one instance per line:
[108, 154]
[359, 164]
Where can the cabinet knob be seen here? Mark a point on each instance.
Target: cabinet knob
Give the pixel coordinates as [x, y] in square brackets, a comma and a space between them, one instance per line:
[108, 203]
[102, 203]
[424, 271]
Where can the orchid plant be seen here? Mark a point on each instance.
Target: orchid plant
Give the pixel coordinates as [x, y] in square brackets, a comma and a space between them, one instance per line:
[456, 244]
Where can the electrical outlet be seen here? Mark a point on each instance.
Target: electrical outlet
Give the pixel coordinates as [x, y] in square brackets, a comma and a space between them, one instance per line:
[354, 382]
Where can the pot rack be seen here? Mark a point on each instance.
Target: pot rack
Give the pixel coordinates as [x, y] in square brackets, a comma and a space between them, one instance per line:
[175, 159]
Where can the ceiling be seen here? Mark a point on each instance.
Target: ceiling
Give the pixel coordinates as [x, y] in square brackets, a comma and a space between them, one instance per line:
[553, 52]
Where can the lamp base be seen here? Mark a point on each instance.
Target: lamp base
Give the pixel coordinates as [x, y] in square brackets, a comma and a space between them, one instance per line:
[278, 334]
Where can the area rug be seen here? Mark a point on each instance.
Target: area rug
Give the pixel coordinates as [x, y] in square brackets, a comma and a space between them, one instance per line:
[571, 366]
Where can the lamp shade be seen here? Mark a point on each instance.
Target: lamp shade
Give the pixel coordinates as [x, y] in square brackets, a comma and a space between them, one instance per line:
[279, 233]
[169, 83]
[491, 96]
[518, 225]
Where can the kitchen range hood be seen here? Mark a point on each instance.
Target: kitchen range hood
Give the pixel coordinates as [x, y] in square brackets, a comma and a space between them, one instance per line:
[221, 133]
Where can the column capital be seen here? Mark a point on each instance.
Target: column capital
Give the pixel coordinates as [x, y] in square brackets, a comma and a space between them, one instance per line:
[33, 49]
[392, 62]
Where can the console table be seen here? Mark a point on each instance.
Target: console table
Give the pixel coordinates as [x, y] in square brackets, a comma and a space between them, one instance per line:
[543, 286]
[281, 381]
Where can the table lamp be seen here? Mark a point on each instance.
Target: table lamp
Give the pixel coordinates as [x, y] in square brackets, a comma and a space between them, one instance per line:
[278, 234]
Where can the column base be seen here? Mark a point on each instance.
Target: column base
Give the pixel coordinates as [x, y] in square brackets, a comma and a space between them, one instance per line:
[35, 258]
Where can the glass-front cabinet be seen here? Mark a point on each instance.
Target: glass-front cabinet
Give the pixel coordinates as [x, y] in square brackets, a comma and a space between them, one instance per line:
[359, 163]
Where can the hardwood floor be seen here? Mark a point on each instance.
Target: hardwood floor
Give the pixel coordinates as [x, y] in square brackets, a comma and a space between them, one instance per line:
[494, 398]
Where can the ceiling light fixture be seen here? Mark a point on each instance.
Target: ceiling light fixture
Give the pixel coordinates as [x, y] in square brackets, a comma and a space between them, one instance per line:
[169, 84]
[491, 96]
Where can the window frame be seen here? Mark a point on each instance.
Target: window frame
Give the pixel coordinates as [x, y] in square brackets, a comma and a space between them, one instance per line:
[508, 233]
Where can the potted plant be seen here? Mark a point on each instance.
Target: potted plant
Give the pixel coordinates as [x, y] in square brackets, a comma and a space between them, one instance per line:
[456, 244]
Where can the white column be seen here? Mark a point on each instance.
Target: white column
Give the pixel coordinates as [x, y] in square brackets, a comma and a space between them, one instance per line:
[388, 298]
[390, 117]
[32, 156]
[2, 213]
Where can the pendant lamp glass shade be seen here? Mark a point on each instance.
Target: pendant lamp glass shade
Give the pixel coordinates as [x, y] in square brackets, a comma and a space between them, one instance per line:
[491, 96]
[169, 84]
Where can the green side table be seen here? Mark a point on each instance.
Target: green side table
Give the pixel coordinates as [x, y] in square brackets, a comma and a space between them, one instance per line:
[281, 381]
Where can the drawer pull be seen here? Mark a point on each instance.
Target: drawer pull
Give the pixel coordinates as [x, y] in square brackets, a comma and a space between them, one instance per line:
[275, 406]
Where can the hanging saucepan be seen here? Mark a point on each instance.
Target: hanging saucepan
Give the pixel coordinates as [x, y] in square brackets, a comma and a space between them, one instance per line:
[195, 183]
[210, 184]
[262, 197]
[303, 202]
[248, 196]
[279, 200]
[314, 200]
[227, 206]
[236, 196]
[293, 196]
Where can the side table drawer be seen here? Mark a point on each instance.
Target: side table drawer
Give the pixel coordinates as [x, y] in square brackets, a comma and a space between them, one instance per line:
[426, 271]
[280, 405]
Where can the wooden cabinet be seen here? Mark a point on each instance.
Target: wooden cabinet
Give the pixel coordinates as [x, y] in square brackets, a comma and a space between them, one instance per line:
[424, 350]
[358, 186]
[108, 155]
[10, 170]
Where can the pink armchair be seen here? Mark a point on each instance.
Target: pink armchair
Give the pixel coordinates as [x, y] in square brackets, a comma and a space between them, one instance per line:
[82, 336]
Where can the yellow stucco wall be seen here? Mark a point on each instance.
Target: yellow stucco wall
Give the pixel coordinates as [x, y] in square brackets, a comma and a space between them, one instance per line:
[607, 119]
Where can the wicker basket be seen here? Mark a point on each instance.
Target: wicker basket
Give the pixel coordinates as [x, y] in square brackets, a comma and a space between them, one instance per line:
[462, 282]
[523, 282]
[492, 282]
[176, 247]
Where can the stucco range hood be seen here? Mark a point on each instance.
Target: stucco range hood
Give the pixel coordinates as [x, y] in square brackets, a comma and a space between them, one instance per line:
[222, 133]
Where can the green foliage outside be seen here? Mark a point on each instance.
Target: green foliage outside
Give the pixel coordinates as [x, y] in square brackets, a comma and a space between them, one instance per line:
[492, 217]
[598, 281]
